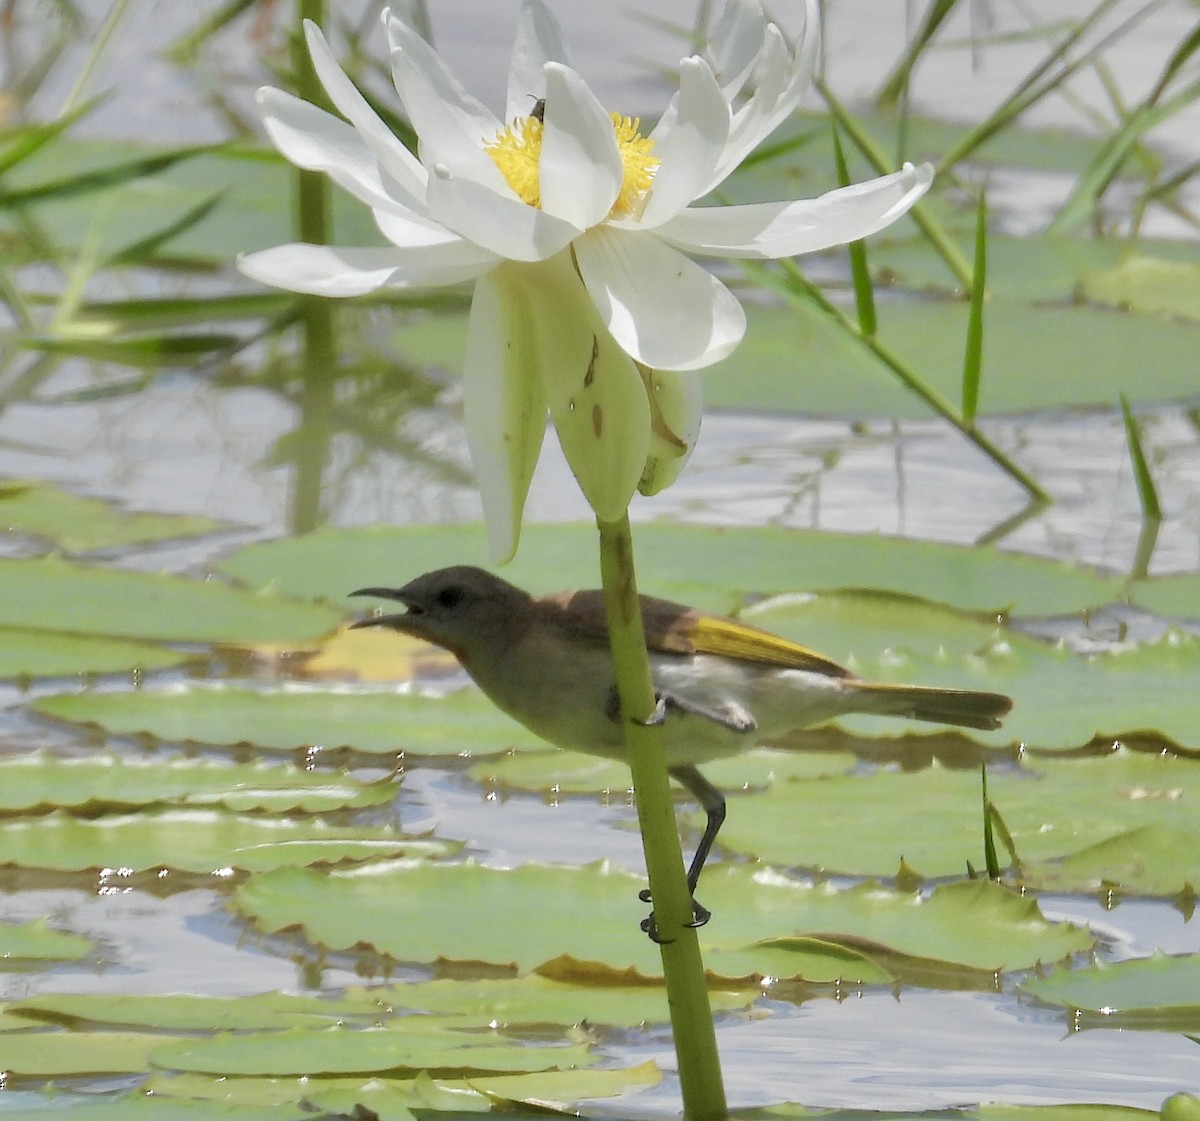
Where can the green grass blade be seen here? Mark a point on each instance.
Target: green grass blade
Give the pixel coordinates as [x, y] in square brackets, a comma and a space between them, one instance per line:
[1108, 161]
[989, 840]
[102, 179]
[894, 85]
[139, 251]
[920, 213]
[1147, 492]
[864, 291]
[186, 46]
[973, 356]
[22, 143]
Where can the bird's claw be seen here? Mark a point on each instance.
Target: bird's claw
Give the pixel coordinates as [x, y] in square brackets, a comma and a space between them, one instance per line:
[700, 915]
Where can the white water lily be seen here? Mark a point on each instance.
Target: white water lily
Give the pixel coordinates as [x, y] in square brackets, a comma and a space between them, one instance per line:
[575, 228]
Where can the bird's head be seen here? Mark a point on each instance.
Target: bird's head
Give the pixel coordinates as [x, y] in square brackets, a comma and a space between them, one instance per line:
[465, 610]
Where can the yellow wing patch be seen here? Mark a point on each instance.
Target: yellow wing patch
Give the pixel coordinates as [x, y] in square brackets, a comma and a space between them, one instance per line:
[712, 635]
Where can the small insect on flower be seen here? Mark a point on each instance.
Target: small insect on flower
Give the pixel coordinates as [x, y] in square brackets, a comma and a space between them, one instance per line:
[538, 112]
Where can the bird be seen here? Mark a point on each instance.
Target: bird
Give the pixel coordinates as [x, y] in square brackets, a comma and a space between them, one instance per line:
[722, 687]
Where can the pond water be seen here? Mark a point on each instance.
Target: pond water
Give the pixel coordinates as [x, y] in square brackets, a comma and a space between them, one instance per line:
[207, 442]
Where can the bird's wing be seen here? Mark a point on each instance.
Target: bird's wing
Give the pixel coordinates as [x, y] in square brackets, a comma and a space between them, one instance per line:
[672, 628]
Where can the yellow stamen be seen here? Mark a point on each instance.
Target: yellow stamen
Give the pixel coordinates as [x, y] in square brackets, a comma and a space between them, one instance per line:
[517, 149]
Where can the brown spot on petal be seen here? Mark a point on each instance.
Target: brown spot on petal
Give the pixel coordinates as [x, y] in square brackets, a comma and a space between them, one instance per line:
[590, 376]
[597, 420]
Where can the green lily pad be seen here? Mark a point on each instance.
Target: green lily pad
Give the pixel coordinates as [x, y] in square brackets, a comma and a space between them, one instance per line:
[1175, 596]
[186, 1012]
[33, 654]
[342, 909]
[49, 593]
[1056, 811]
[1149, 285]
[384, 723]
[568, 772]
[1160, 992]
[715, 568]
[55, 1054]
[37, 940]
[338, 1050]
[477, 1003]
[137, 1107]
[547, 1090]
[1156, 859]
[38, 779]
[798, 360]
[84, 524]
[193, 840]
[1061, 700]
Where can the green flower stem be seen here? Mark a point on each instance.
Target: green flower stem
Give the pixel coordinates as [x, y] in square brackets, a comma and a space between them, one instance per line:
[313, 223]
[687, 994]
[796, 288]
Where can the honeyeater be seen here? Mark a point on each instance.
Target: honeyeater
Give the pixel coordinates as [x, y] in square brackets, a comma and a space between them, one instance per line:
[722, 686]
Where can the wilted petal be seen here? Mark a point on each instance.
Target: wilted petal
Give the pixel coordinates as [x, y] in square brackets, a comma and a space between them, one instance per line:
[501, 224]
[690, 145]
[338, 271]
[676, 410]
[665, 310]
[784, 229]
[504, 406]
[595, 393]
[539, 40]
[580, 169]
[395, 159]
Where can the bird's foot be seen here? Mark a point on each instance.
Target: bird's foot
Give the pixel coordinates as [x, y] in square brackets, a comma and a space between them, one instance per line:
[700, 915]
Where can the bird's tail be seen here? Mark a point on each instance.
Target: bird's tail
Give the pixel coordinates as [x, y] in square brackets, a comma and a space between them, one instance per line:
[965, 707]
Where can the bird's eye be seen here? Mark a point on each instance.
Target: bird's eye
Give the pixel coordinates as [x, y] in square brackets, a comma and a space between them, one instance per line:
[449, 597]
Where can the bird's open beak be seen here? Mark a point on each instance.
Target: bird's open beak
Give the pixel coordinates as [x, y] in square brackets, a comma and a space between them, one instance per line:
[397, 594]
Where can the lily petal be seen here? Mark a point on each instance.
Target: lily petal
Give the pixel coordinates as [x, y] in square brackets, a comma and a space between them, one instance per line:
[501, 224]
[579, 169]
[594, 390]
[394, 159]
[784, 229]
[782, 82]
[451, 123]
[504, 408]
[664, 309]
[539, 40]
[330, 270]
[676, 410]
[690, 146]
[735, 43]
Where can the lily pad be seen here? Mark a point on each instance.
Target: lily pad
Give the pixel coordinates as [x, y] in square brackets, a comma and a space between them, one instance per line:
[1160, 992]
[49, 593]
[193, 840]
[1149, 285]
[568, 772]
[798, 360]
[37, 940]
[932, 819]
[34, 654]
[383, 723]
[84, 524]
[975, 926]
[39, 779]
[54, 1054]
[338, 1050]
[683, 561]
[1062, 700]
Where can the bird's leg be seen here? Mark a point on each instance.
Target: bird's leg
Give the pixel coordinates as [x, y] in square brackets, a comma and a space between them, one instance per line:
[713, 802]
[729, 715]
